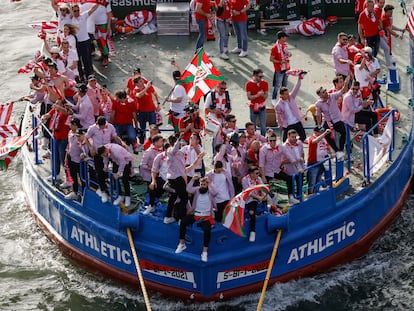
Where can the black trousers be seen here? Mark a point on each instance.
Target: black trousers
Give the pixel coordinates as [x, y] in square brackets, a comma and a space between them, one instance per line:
[179, 186]
[157, 192]
[340, 128]
[125, 178]
[298, 127]
[85, 58]
[205, 225]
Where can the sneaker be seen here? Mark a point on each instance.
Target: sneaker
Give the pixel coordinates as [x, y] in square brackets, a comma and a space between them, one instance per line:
[71, 196]
[252, 236]
[340, 155]
[226, 51]
[45, 143]
[127, 201]
[119, 199]
[104, 197]
[224, 56]
[180, 248]
[99, 193]
[66, 184]
[149, 210]
[292, 200]
[243, 54]
[208, 54]
[392, 67]
[50, 178]
[236, 51]
[204, 256]
[169, 220]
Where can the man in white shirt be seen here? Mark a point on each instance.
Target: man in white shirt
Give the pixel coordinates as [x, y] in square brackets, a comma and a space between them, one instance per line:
[178, 101]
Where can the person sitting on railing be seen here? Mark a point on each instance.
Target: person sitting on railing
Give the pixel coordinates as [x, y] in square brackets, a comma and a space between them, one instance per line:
[201, 210]
[250, 180]
[222, 180]
[74, 151]
[122, 162]
[101, 133]
[356, 109]
[318, 151]
[295, 162]
[327, 107]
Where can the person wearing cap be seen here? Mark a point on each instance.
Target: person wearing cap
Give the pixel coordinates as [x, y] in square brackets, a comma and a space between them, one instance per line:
[279, 56]
[76, 146]
[287, 111]
[178, 100]
[94, 93]
[63, 14]
[257, 91]
[327, 107]
[369, 26]
[55, 57]
[190, 123]
[366, 69]
[122, 167]
[238, 9]
[98, 134]
[353, 47]
[83, 109]
[317, 152]
[70, 56]
[83, 45]
[340, 56]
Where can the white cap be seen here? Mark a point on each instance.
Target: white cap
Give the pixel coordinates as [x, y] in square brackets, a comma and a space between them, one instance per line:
[368, 50]
[54, 49]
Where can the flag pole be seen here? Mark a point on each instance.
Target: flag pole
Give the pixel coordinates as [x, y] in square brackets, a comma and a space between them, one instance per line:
[269, 270]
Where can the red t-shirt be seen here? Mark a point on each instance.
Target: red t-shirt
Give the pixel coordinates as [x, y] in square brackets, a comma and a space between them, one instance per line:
[386, 21]
[254, 87]
[226, 11]
[58, 125]
[198, 124]
[206, 8]
[146, 102]
[124, 111]
[280, 52]
[238, 5]
[369, 23]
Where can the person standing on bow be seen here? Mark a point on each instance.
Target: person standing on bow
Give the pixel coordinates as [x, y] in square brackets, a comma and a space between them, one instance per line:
[279, 56]
[257, 91]
[287, 111]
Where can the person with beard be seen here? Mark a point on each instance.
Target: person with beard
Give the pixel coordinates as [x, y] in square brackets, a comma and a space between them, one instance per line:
[201, 211]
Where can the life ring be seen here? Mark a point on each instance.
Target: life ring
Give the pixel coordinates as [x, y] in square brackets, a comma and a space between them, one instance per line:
[382, 111]
[122, 28]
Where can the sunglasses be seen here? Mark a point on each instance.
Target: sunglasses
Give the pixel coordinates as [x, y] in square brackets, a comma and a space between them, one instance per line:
[223, 88]
[75, 11]
[272, 140]
[355, 88]
[261, 77]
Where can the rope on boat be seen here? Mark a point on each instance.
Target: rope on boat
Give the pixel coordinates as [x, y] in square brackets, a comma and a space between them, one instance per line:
[138, 268]
[269, 270]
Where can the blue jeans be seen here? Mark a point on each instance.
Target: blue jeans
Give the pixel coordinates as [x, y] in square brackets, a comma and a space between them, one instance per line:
[60, 154]
[143, 118]
[223, 29]
[374, 43]
[262, 119]
[280, 78]
[202, 28]
[314, 176]
[127, 130]
[240, 29]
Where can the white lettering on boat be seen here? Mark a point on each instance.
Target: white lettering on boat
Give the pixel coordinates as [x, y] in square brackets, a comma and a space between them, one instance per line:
[169, 272]
[241, 272]
[105, 249]
[320, 244]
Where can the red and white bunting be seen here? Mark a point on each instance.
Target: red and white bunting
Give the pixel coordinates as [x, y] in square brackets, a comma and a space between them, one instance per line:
[5, 113]
[9, 130]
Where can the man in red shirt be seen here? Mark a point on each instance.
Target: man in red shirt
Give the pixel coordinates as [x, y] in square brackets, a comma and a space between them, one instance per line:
[369, 26]
[144, 93]
[124, 117]
[202, 14]
[279, 56]
[257, 91]
[238, 10]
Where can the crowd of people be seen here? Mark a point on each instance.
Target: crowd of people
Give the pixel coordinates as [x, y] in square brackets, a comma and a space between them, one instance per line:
[89, 123]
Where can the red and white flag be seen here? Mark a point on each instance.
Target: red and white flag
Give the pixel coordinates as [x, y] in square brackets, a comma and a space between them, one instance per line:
[46, 27]
[9, 148]
[8, 130]
[410, 23]
[5, 113]
[200, 76]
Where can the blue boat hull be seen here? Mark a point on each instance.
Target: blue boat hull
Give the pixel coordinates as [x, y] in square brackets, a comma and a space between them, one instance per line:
[317, 235]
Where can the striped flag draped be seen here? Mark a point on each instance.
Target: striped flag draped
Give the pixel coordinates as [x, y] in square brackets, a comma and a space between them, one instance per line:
[200, 76]
[9, 148]
[5, 113]
[410, 23]
[8, 130]
[46, 27]
[233, 214]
